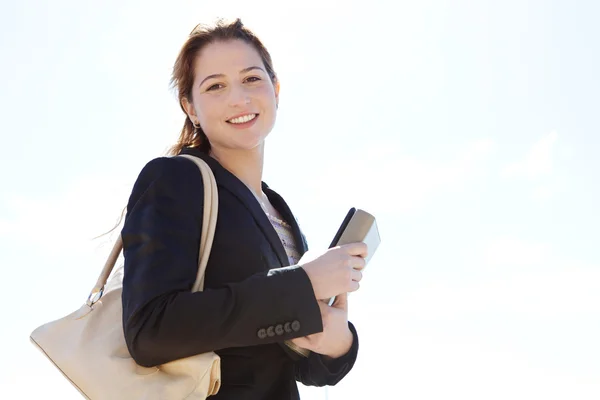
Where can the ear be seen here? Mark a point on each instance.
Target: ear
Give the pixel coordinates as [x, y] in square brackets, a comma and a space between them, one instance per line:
[277, 87]
[189, 110]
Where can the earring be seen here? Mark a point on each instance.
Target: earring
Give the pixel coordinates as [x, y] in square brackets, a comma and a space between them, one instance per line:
[196, 125]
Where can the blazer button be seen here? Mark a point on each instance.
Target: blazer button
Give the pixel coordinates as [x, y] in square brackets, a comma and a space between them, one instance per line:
[296, 326]
[262, 334]
[271, 331]
[279, 330]
[287, 328]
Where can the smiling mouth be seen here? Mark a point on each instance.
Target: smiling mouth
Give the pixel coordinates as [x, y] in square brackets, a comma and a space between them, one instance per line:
[243, 119]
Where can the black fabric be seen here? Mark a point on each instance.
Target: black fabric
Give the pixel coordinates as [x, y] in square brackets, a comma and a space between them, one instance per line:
[248, 300]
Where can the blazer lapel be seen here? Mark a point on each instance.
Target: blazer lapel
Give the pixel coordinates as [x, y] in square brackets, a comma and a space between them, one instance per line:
[230, 182]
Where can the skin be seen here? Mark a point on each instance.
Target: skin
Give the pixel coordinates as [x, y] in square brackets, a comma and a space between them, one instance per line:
[230, 79]
[237, 91]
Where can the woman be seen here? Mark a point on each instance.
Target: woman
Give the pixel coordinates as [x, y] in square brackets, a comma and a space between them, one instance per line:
[258, 293]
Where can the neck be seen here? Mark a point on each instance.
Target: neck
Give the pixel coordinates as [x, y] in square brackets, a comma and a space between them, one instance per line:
[246, 165]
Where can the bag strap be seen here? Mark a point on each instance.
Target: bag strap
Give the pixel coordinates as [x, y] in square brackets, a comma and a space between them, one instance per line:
[209, 223]
[209, 218]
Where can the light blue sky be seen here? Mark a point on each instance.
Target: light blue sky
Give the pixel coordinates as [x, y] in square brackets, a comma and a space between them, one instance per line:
[469, 128]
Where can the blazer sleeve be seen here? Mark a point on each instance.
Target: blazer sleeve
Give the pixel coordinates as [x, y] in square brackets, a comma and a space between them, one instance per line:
[162, 319]
[315, 370]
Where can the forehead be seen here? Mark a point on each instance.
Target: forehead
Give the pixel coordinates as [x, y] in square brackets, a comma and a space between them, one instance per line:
[226, 58]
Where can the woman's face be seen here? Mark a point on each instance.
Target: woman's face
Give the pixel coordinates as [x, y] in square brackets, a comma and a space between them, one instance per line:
[233, 98]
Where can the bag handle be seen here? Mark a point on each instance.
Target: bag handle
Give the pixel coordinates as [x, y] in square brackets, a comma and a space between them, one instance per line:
[209, 223]
[209, 218]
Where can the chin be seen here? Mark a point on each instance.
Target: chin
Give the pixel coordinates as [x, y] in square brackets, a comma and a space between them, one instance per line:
[251, 146]
[249, 141]
[239, 145]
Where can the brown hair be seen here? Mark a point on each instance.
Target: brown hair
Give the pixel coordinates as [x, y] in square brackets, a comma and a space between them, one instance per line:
[182, 79]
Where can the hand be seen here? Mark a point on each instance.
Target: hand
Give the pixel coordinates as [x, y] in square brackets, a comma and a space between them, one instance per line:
[336, 271]
[336, 338]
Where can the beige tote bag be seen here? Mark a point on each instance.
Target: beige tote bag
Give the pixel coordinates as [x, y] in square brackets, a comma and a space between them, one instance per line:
[88, 346]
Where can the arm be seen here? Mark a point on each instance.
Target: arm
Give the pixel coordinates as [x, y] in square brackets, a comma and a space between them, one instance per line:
[319, 370]
[162, 319]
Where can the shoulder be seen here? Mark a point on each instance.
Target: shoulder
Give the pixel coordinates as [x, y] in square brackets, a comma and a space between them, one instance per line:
[167, 176]
[168, 167]
[171, 171]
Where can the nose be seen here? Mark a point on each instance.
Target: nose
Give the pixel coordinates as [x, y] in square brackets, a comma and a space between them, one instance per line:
[238, 96]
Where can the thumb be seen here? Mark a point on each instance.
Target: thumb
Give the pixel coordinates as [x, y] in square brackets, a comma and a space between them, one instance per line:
[341, 301]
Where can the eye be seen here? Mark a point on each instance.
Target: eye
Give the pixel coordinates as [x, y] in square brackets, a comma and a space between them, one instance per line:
[214, 87]
[253, 79]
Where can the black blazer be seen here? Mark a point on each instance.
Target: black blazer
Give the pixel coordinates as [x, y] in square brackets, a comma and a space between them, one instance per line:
[252, 300]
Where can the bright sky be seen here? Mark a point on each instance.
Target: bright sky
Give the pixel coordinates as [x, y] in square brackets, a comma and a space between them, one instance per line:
[468, 128]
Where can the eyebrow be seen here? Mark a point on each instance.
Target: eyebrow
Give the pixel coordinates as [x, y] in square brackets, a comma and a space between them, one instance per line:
[245, 70]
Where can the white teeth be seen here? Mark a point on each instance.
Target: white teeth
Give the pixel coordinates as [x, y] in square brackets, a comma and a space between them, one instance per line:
[241, 120]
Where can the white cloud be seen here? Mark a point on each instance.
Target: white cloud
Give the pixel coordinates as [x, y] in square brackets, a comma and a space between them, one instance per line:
[6, 228]
[384, 180]
[511, 276]
[510, 252]
[543, 192]
[421, 363]
[554, 293]
[537, 162]
[67, 221]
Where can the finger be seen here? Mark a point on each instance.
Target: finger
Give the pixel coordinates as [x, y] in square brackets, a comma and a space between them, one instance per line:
[341, 301]
[353, 286]
[356, 275]
[356, 262]
[356, 249]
